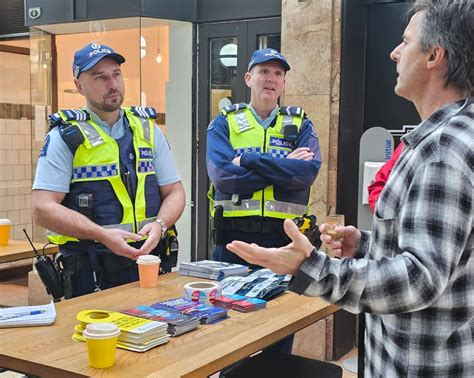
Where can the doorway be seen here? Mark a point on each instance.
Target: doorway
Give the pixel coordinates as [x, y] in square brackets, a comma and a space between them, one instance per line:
[224, 50]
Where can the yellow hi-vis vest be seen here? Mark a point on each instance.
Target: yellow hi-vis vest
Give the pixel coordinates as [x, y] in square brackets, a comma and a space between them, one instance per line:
[247, 135]
[98, 158]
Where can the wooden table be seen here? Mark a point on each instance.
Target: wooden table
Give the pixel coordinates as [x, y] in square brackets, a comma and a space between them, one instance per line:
[21, 249]
[50, 351]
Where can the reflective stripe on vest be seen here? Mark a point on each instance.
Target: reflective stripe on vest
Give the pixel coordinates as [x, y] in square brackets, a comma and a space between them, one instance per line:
[92, 135]
[61, 239]
[142, 223]
[228, 205]
[94, 171]
[285, 207]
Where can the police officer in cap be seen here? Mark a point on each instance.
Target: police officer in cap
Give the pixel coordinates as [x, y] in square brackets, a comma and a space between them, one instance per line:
[261, 159]
[106, 186]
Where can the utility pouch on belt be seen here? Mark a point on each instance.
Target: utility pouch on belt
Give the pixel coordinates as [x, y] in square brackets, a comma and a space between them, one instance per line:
[171, 245]
[218, 232]
[67, 276]
[308, 227]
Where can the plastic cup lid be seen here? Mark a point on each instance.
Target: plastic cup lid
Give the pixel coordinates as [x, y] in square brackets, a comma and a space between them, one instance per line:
[101, 331]
[148, 259]
[5, 221]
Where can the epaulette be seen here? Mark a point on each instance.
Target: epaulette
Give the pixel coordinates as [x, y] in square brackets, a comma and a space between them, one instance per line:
[292, 111]
[234, 107]
[144, 112]
[76, 115]
[71, 115]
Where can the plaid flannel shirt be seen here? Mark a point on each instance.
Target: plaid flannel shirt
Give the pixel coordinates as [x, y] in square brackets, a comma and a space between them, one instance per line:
[413, 273]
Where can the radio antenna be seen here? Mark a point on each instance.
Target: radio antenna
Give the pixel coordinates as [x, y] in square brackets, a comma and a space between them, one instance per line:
[31, 243]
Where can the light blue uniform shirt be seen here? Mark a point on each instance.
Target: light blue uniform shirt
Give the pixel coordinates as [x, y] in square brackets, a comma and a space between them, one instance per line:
[54, 169]
[268, 120]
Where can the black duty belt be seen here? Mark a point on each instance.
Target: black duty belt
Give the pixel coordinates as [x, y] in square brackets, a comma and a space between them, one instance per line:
[254, 225]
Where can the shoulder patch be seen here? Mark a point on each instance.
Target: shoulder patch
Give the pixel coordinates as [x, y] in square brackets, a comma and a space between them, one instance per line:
[144, 112]
[292, 111]
[234, 107]
[55, 120]
[44, 149]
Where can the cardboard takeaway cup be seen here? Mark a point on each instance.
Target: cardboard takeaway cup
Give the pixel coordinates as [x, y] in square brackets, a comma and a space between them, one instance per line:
[148, 269]
[101, 339]
[4, 231]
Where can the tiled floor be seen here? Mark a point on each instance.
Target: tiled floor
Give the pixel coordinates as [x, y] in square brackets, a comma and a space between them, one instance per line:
[346, 373]
[15, 293]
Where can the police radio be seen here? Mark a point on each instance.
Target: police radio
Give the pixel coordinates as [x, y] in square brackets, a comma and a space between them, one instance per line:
[49, 273]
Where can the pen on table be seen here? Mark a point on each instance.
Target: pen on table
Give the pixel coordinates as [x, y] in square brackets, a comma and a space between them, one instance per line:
[21, 314]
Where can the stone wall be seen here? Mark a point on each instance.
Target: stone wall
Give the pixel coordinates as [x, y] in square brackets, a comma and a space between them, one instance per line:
[311, 40]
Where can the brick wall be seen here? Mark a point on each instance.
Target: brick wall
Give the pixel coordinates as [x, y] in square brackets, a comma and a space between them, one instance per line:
[15, 143]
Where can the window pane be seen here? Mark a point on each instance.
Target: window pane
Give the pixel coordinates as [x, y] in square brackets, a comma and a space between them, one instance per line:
[223, 68]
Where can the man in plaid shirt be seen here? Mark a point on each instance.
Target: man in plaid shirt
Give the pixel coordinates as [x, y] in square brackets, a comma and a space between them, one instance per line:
[413, 273]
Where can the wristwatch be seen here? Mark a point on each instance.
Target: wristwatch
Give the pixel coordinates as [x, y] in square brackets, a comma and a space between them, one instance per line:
[162, 223]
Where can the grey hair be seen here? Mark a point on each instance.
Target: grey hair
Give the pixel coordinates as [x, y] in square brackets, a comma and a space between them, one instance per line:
[450, 24]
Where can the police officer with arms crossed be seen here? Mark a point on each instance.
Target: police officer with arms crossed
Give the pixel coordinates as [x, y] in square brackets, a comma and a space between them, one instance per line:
[262, 160]
[106, 185]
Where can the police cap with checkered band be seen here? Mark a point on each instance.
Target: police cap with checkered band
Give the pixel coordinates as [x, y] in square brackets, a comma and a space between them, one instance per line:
[90, 55]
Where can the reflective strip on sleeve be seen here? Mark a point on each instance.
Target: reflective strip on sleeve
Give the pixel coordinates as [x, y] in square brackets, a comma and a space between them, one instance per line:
[145, 166]
[248, 204]
[285, 207]
[94, 171]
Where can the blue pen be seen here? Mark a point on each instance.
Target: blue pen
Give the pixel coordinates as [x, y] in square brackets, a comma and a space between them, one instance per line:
[21, 314]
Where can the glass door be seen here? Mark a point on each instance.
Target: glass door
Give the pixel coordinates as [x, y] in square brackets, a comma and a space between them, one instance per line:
[224, 50]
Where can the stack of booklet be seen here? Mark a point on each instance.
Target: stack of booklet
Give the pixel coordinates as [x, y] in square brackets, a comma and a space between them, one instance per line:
[263, 284]
[178, 323]
[136, 334]
[214, 270]
[226, 301]
[27, 316]
[249, 304]
[206, 314]
[240, 303]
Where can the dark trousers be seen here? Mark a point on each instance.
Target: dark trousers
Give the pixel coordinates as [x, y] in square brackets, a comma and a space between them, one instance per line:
[111, 270]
